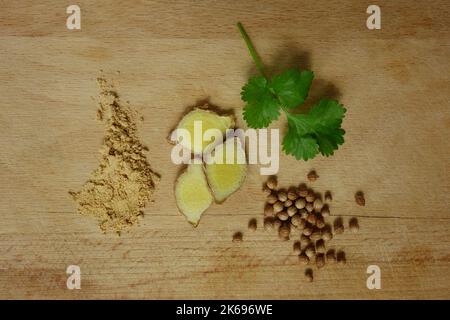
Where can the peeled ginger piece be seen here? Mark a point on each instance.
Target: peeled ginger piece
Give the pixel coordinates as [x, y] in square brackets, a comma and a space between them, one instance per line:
[192, 193]
[209, 120]
[226, 177]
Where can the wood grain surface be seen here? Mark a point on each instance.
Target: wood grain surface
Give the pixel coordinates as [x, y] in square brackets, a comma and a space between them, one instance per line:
[166, 56]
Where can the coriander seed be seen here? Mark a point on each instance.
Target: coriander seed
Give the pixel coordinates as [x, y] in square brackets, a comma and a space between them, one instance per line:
[288, 203]
[300, 203]
[309, 275]
[252, 224]
[303, 258]
[338, 226]
[331, 256]
[311, 196]
[277, 224]
[309, 207]
[311, 218]
[278, 206]
[353, 225]
[312, 176]
[307, 231]
[310, 251]
[320, 222]
[320, 246]
[320, 260]
[268, 210]
[303, 213]
[296, 247]
[305, 240]
[282, 196]
[302, 191]
[339, 229]
[327, 235]
[266, 190]
[292, 211]
[284, 232]
[292, 195]
[328, 196]
[341, 257]
[359, 198]
[237, 237]
[316, 235]
[283, 215]
[272, 182]
[268, 223]
[318, 205]
[325, 211]
[296, 220]
[302, 224]
[272, 198]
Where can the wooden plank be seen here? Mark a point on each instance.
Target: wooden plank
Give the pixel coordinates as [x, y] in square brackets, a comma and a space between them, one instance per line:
[394, 83]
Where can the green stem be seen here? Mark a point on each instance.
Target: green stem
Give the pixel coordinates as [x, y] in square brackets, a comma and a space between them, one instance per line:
[251, 49]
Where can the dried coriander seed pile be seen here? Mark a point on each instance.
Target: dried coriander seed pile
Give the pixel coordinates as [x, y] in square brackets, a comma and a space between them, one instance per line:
[300, 212]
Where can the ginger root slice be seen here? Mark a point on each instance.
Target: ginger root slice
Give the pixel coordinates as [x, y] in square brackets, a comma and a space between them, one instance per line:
[192, 193]
[226, 177]
[209, 120]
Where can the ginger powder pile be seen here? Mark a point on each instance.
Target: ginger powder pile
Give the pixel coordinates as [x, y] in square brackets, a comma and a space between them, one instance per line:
[118, 190]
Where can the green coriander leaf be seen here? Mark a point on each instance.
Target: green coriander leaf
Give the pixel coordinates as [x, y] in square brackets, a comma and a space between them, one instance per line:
[262, 106]
[322, 124]
[326, 119]
[300, 146]
[300, 123]
[292, 87]
[308, 134]
[330, 141]
[327, 113]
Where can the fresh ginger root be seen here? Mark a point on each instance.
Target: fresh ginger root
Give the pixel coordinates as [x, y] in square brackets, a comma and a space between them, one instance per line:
[226, 177]
[198, 186]
[192, 193]
[209, 120]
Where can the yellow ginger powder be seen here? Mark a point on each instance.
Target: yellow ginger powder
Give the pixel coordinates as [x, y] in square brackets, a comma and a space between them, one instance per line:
[118, 190]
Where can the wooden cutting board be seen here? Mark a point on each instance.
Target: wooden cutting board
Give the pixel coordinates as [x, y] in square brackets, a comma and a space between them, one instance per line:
[165, 57]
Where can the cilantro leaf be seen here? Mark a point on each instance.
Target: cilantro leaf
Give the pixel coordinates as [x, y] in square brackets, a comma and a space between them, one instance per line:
[292, 87]
[327, 113]
[262, 106]
[326, 117]
[318, 131]
[321, 125]
[300, 146]
[330, 140]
